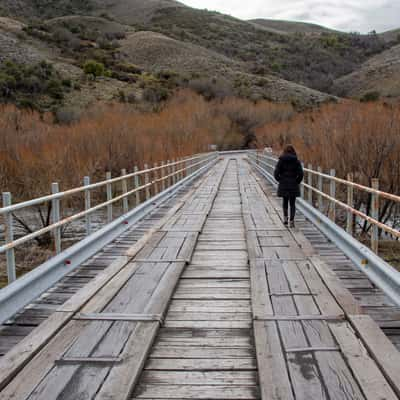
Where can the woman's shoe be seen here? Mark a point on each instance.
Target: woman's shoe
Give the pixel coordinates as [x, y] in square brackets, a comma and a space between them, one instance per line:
[285, 221]
[291, 224]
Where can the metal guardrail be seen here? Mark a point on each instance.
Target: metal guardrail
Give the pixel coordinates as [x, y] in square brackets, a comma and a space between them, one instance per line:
[378, 271]
[30, 286]
[149, 180]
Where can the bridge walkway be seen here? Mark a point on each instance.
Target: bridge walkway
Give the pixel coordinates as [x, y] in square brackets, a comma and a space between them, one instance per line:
[217, 301]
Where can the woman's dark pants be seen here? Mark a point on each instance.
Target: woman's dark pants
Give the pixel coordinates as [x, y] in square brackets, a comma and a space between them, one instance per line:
[292, 201]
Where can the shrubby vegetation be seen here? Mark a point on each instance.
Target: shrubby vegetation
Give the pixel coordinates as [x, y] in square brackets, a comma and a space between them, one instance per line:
[362, 138]
[34, 152]
[32, 86]
[312, 60]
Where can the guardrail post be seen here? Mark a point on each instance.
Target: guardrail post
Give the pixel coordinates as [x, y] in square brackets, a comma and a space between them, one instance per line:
[310, 183]
[168, 169]
[162, 176]
[302, 185]
[137, 185]
[88, 201]
[9, 237]
[146, 182]
[109, 197]
[350, 202]
[55, 217]
[173, 171]
[178, 167]
[332, 206]
[155, 178]
[124, 184]
[186, 167]
[320, 188]
[375, 215]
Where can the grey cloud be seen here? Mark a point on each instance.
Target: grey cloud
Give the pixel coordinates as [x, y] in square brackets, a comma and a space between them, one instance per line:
[346, 15]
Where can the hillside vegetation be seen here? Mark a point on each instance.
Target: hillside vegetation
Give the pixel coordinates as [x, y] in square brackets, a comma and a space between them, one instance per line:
[146, 49]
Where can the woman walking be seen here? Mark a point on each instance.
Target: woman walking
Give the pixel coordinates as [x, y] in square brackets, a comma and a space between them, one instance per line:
[289, 173]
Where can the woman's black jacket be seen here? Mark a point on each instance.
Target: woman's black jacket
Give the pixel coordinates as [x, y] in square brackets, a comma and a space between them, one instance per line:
[289, 173]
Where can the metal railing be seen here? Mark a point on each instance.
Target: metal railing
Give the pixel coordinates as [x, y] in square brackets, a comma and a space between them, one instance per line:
[141, 185]
[378, 271]
[308, 190]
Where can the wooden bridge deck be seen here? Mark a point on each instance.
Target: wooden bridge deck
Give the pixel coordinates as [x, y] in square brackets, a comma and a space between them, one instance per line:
[218, 300]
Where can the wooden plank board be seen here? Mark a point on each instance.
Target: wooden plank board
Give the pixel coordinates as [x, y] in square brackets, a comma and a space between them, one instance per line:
[201, 364]
[380, 348]
[341, 294]
[368, 375]
[273, 374]
[198, 392]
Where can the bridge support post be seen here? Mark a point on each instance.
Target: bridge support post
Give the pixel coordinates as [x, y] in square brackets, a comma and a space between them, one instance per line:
[55, 217]
[350, 202]
[375, 215]
[137, 185]
[109, 198]
[9, 237]
[155, 179]
[321, 189]
[332, 206]
[146, 182]
[310, 183]
[124, 185]
[88, 219]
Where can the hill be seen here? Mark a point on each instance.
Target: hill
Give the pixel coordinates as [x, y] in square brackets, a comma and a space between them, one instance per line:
[314, 61]
[144, 49]
[288, 27]
[126, 11]
[379, 76]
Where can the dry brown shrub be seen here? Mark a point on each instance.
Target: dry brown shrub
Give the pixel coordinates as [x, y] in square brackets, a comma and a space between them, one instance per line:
[34, 152]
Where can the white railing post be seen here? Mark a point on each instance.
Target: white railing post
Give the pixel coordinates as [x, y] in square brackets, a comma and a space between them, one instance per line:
[320, 188]
[310, 183]
[146, 182]
[9, 237]
[137, 185]
[109, 197]
[332, 205]
[124, 186]
[302, 185]
[169, 169]
[88, 201]
[55, 217]
[173, 171]
[162, 176]
[375, 215]
[350, 202]
[155, 179]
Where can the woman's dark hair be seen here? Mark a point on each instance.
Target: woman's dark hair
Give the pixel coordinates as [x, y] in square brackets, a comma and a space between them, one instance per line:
[289, 149]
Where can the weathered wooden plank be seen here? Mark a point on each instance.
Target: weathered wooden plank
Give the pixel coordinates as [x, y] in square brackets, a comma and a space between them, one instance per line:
[12, 363]
[274, 377]
[380, 348]
[201, 364]
[368, 375]
[42, 363]
[207, 378]
[122, 378]
[199, 392]
[341, 294]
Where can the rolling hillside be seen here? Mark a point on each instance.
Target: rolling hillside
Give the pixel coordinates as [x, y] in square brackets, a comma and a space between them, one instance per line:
[288, 27]
[147, 48]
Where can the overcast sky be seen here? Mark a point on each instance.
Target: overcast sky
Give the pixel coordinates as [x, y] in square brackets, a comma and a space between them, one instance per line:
[346, 15]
